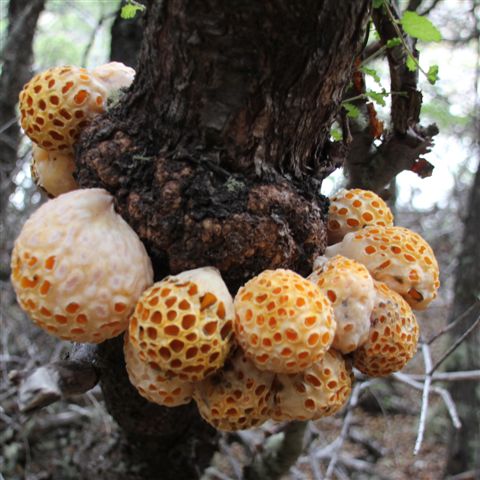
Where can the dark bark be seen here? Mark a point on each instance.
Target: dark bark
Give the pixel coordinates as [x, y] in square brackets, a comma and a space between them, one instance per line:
[215, 157]
[464, 452]
[127, 37]
[16, 60]
[16, 71]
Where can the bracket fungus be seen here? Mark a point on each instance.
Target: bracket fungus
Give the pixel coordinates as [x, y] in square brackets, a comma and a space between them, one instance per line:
[78, 268]
[319, 391]
[183, 324]
[53, 171]
[237, 397]
[351, 210]
[57, 104]
[350, 289]
[156, 386]
[393, 337]
[397, 256]
[284, 323]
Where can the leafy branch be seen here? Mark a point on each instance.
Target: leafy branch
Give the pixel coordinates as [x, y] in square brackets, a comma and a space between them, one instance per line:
[418, 27]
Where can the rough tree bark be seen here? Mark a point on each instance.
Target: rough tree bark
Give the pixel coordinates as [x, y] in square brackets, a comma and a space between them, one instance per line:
[215, 156]
[16, 58]
[464, 452]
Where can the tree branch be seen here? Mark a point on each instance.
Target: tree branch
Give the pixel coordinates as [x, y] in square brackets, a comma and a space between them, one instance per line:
[49, 383]
[406, 141]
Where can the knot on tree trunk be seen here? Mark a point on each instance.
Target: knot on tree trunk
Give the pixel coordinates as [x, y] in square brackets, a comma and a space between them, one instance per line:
[191, 213]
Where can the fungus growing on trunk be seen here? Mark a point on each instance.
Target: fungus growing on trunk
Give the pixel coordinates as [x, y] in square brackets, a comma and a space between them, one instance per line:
[237, 397]
[284, 323]
[351, 210]
[393, 337]
[78, 269]
[183, 325]
[53, 171]
[349, 287]
[397, 256]
[320, 391]
[57, 104]
[153, 384]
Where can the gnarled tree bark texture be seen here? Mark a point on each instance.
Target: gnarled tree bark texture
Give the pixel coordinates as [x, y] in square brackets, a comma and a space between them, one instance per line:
[215, 156]
[464, 444]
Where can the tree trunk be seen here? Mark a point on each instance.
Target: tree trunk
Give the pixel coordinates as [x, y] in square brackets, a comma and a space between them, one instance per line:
[215, 156]
[16, 57]
[464, 450]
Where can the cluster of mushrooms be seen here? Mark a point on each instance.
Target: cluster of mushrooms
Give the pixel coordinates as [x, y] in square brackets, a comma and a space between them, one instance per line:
[282, 349]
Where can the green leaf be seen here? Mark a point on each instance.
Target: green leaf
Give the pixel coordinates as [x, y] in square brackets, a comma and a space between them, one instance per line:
[371, 72]
[411, 63]
[393, 42]
[420, 27]
[432, 74]
[377, 97]
[352, 110]
[130, 10]
[378, 3]
[336, 134]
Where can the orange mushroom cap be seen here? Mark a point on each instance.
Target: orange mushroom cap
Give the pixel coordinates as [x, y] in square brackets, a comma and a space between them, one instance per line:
[284, 323]
[349, 287]
[320, 391]
[57, 104]
[393, 337]
[53, 171]
[237, 397]
[397, 256]
[351, 210]
[184, 324]
[78, 268]
[153, 384]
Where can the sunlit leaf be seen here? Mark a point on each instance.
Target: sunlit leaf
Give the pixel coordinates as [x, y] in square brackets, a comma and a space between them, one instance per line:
[377, 97]
[411, 63]
[432, 74]
[420, 27]
[336, 134]
[371, 72]
[131, 9]
[352, 110]
[393, 42]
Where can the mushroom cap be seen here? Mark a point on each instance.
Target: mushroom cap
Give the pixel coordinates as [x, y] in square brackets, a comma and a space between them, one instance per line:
[397, 256]
[153, 384]
[53, 171]
[237, 397]
[350, 289]
[351, 210]
[320, 391]
[284, 323]
[184, 324]
[114, 75]
[393, 337]
[78, 268]
[57, 104]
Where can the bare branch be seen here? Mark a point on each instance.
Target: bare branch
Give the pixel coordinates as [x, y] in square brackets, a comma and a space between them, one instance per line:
[457, 343]
[446, 397]
[473, 375]
[48, 384]
[454, 323]
[427, 358]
